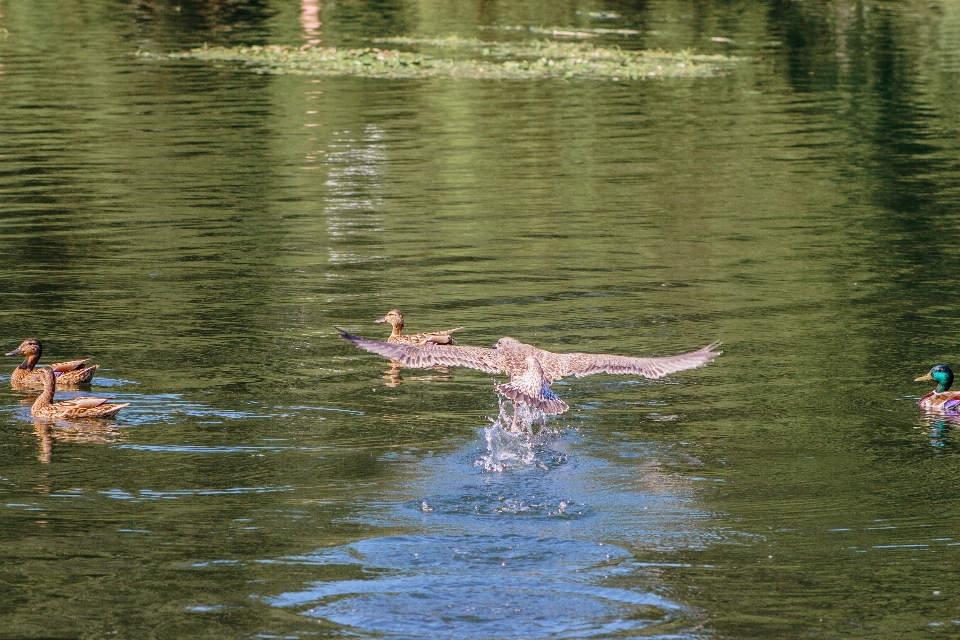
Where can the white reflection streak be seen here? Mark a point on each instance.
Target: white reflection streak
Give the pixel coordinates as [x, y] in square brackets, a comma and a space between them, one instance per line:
[353, 179]
[310, 20]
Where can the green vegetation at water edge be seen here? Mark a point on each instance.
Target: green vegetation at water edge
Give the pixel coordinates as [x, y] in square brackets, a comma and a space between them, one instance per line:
[497, 61]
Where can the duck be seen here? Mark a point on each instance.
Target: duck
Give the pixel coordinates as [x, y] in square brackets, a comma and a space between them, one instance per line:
[69, 374]
[533, 370]
[46, 409]
[395, 318]
[940, 398]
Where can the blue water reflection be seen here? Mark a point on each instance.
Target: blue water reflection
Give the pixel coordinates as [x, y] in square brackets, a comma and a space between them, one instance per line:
[530, 548]
[504, 586]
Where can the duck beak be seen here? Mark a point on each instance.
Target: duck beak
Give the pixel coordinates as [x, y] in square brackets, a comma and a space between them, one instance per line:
[379, 320]
[15, 352]
[922, 378]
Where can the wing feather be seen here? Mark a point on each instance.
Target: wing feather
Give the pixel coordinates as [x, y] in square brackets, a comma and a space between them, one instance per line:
[424, 356]
[585, 364]
[84, 402]
[533, 388]
[69, 365]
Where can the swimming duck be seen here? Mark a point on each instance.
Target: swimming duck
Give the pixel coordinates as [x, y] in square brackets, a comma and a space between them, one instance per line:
[45, 408]
[395, 318]
[69, 374]
[941, 397]
[533, 370]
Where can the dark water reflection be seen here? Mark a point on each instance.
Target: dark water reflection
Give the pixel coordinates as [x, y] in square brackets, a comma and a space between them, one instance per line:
[199, 230]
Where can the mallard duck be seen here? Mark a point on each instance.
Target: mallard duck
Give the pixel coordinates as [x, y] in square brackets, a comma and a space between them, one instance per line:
[45, 408]
[941, 397]
[533, 370]
[69, 374]
[395, 318]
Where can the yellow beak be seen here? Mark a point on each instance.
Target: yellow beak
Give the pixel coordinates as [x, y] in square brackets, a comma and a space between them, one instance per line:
[922, 378]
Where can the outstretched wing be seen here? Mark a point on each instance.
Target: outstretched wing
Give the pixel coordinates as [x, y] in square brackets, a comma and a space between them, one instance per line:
[423, 356]
[585, 364]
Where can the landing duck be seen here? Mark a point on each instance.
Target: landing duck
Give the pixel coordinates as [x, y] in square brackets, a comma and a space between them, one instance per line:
[395, 318]
[45, 408]
[69, 374]
[533, 370]
[940, 398]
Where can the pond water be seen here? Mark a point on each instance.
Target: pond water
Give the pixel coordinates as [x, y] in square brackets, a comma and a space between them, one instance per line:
[198, 229]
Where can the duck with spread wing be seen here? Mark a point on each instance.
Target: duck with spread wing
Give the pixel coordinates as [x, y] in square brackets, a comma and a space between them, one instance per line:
[533, 370]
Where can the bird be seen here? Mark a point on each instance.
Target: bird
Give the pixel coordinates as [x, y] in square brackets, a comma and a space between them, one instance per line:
[395, 318]
[69, 374]
[941, 397]
[533, 370]
[45, 408]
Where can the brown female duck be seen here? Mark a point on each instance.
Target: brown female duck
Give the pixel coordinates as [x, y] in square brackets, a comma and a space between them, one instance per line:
[46, 409]
[68, 374]
[395, 318]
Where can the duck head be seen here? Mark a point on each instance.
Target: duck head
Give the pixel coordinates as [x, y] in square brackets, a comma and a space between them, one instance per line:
[394, 317]
[942, 375]
[31, 348]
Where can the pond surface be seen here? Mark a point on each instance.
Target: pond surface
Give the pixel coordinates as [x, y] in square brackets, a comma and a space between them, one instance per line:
[199, 229]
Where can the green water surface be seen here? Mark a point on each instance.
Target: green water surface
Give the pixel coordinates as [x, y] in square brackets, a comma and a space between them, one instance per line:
[198, 229]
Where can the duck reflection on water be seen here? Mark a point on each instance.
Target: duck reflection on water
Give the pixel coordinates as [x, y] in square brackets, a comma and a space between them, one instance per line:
[83, 431]
[393, 376]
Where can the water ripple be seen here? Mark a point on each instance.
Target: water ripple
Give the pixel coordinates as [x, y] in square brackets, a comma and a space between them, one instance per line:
[174, 494]
[518, 504]
[480, 587]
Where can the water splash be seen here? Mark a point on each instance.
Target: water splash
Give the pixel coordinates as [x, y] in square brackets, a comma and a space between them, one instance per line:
[516, 439]
[519, 417]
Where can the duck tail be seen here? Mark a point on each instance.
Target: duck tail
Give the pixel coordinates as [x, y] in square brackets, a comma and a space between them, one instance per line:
[548, 402]
[78, 376]
[110, 409]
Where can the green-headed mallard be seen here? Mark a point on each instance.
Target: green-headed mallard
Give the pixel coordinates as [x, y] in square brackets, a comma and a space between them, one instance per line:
[941, 397]
[46, 409]
[533, 370]
[395, 318]
[69, 374]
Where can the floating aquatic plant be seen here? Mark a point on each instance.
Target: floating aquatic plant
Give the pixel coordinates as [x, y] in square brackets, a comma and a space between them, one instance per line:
[464, 58]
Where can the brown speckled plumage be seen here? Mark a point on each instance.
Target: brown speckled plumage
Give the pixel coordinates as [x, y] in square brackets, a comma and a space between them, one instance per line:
[395, 318]
[46, 409]
[69, 374]
[532, 370]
